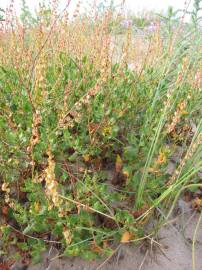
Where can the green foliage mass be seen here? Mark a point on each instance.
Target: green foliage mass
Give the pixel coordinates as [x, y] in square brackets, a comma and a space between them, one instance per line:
[122, 131]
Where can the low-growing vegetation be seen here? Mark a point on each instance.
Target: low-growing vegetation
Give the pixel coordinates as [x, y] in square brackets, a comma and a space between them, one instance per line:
[91, 120]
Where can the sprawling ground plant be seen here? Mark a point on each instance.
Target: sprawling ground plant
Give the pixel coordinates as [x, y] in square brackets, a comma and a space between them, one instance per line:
[90, 123]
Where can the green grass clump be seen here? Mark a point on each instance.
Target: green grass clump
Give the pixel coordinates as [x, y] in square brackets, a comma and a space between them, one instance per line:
[85, 141]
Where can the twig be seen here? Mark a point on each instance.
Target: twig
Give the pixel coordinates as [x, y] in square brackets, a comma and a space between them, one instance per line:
[46, 40]
[141, 238]
[105, 261]
[143, 261]
[87, 207]
[32, 237]
[62, 255]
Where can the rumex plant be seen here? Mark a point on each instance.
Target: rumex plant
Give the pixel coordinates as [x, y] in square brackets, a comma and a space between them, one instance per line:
[85, 140]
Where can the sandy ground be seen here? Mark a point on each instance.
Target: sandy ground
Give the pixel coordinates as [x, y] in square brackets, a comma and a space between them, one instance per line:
[173, 251]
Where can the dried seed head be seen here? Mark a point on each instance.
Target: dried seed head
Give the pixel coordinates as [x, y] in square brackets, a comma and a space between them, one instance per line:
[35, 131]
[176, 117]
[67, 236]
[51, 183]
[5, 187]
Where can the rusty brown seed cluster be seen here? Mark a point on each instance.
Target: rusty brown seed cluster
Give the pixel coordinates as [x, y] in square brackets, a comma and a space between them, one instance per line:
[74, 115]
[40, 82]
[197, 82]
[35, 131]
[63, 112]
[126, 48]
[177, 116]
